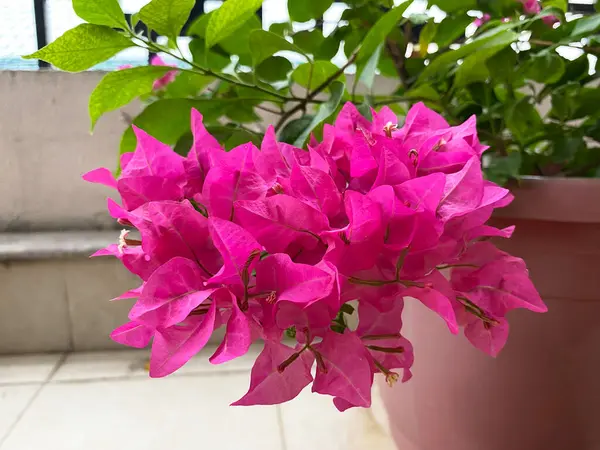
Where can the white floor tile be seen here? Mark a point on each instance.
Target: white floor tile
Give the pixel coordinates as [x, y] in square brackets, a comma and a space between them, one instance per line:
[131, 363]
[27, 368]
[102, 365]
[13, 400]
[312, 422]
[182, 413]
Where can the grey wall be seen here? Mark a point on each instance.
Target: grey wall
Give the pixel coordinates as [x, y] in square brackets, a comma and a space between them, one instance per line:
[45, 146]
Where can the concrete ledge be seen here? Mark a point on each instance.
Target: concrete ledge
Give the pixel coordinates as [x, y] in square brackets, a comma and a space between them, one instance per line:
[53, 245]
[53, 297]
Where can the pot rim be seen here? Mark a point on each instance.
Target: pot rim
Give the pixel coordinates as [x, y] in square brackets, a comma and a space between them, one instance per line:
[555, 200]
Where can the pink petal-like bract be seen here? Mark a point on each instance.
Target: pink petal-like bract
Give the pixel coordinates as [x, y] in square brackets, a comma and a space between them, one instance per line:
[298, 283]
[268, 384]
[175, 346]
[237, 337]
[101, 176]
[488, 338]
[171, 293]
[346, 371]
[238, 249]
[280, 220]
[133, 334]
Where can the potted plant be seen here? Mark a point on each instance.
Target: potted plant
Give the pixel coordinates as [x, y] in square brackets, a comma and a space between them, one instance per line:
[280, 240]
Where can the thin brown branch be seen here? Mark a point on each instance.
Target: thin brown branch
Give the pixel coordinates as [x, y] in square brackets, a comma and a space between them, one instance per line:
[269, 110]
[302, 104]
[397, 53]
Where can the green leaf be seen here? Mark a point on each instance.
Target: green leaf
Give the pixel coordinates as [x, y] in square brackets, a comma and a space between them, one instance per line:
[230, 16]
[502, 65]
[325, 110]
[423, 92]
[119, 88]
[365, 110]
[378, 32]
[455, 5]
[101, 12]
[135, 19]
[304, 10]
[586, 25]
[500, 168]
[198, 26]
[565, 101]
[166, 17]
[281, 28]
[427, 36]
[545, 67]
[83, 47]
[294, 128]
[265, 43]
[560, 4]
[352, 40]
[127, 144]
[331, 45]
[274, 68]
[588, 100]
[187, 84]
[565, 147]
[235, 44]
[366, 73]
[321, 72]
[309, 40]
[184, 144]
[450, 29]
[231, 136]
[496, 39]
[242, 112]
[213, 61]
[523, 120]
[168, 120]
[474, 66]
[239, 42]
[240, 136]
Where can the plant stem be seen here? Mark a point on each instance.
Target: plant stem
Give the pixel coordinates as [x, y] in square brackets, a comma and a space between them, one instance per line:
[310, 96]
[585, 48]
[204, 71]
[449, 266]
[269, 110]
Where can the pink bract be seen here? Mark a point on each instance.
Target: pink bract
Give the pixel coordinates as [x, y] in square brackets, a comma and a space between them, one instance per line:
[281, 241]
[481, 20]
[167, 78]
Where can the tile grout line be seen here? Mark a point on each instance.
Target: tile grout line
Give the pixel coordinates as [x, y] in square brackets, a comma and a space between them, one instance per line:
[35, 395]
[132, 376]
[70, 327]
[279, 413]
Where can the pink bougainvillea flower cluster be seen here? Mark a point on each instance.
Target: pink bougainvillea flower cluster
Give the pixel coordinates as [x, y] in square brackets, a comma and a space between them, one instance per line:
[532, 7]
[280, 241]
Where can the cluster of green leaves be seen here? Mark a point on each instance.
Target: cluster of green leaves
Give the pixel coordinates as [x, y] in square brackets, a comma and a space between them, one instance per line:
[535, 104]
[532, 86]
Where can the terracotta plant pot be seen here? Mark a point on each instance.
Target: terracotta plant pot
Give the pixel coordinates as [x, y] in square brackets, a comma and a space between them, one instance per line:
[543, 390]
